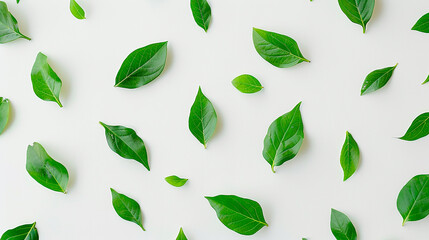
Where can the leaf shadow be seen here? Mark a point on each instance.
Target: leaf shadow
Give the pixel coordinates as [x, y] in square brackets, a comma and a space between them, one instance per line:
[377, 9]
[62, 74]
[169, 60]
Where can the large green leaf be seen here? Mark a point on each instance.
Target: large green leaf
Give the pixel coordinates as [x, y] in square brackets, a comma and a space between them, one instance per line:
[181, 235]
[46, 83]
[358, 11]
[76, 10]
[241, 215]
[45, 170]
[127, 208]
[176, 181]
[422, 25]
[284, 138]
[142, 66]
[413, 199]
[342, 227]
[377, 79]
[419, 128]
[349, 156]
[279, 50]
[247, 84]
[4, 113]
[125, 142]
[202, 13]
[23, 232]
[9, 30]
[202, 118]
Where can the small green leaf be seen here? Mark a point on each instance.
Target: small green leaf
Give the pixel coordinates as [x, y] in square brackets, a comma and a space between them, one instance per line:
[342, 227]
[247, 84]
[126, 143]
[46, 83]
[24, 232]
[427, 80]
[176, 181]
[17, 1]
[234, 213]
[358, 11]
[413, 199]
[45, 170]
[202, 13]
[349, 156]
[76, 10]
[422, 25]
[9, 30]
[142, 66]
[4, 113]
[284, 138]
[279, 50]
[419, 128]
[202, 118]
[127, 208]
[181, 235]
[377, 79]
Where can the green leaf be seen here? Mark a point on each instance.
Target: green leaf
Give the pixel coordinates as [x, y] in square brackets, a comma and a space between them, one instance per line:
[46, 83]
[125, 142]
[349, 156]
[4, 113]
[377, 79]
[342, 227]
[127, 208]
[142, 66]
[24, 232]
[247, 84]
[419, 128]
[358, 11]
[284, 138]
[241, 215]
[181, 235]
[45, 170]
[202, 13]
[202, 119]
[9, 30]
[427, 80]
[413, 199]
[422, 25]
[279, 50]
[76, 10]
[17, 1]
[176, 181]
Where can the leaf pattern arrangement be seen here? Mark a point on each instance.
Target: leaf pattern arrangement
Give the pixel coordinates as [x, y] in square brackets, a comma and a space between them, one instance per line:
[282, 142]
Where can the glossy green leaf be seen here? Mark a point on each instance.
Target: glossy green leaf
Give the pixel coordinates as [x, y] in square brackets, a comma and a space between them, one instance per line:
[413, 199]
[181, 235]
[419, 128]
[202, 13]
[127, 208]
[142, 66]
[176, 181]
[9, 30]
[76, 10]
[358, 11]
[342, 227]
[125, 142]
[422, 25]
[24, 232]
[427, 80]
[284, 138]
[247, 84]
[45, 170]
[279, 50]
[202, 118]
[4, 113]
[46, 83]
[241, 215]
[349, 156]
[377, 79]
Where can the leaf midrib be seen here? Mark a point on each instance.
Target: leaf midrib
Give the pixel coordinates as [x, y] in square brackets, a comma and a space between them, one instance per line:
[247, 217]
[415, 200]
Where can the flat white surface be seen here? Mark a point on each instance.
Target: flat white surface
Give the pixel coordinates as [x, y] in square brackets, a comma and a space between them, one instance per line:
[296, 200]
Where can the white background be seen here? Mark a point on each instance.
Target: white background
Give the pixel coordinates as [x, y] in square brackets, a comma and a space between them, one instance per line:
[296, 200]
